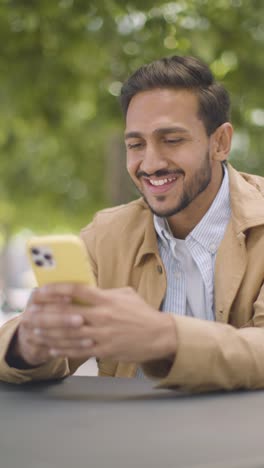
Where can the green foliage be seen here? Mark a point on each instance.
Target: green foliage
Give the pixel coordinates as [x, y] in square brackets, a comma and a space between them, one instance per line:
[61, 67]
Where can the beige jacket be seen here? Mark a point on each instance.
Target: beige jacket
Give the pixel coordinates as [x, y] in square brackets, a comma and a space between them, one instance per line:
[225, 354]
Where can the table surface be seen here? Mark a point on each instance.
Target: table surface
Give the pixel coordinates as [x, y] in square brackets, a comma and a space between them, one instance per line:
[105, 422]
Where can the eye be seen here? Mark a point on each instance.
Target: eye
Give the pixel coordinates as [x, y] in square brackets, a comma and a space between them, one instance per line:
[173, 141]
[134, 145]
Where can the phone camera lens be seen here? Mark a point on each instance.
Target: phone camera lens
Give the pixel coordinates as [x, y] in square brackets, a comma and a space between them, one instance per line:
[48, 257]
[39, 263]
[35, 251]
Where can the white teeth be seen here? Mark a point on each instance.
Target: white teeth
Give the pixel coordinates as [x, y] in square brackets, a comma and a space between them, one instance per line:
[161, 181]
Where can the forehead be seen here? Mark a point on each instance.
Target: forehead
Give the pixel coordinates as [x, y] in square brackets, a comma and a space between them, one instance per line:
[162, 107]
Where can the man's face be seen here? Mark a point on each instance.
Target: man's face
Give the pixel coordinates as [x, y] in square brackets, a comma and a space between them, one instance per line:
[168, 150]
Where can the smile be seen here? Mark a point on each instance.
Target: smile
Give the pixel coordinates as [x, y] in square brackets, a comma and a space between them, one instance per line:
[161, 181]
[158, 186]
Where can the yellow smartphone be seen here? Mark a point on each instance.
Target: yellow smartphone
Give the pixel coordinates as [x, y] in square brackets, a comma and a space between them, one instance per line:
[59, 259]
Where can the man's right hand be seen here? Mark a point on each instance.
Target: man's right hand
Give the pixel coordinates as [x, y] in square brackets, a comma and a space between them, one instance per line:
[61, 323]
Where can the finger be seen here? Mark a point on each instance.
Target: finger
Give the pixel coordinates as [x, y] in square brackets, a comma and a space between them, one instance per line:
[38, 317]
[94, 296]
[86, 352]
[43, 296]
[62, 343]
[60, 333]
[78, 292]
[97, 316]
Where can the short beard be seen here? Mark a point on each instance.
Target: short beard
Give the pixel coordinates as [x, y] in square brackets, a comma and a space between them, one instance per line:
[199, 182]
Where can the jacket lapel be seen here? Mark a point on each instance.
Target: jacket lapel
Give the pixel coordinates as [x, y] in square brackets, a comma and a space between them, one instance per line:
[246, 196]
[230, 268]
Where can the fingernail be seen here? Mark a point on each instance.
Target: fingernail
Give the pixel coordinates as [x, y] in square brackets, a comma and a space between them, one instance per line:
[87, 343]
[54, 352]
[76, 320]
[37, 331]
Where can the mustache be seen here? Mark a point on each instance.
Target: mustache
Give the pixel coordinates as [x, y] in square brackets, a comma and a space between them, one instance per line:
[160, 173]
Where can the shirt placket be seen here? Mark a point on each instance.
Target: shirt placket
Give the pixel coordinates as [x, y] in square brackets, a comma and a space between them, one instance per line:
[204, 262]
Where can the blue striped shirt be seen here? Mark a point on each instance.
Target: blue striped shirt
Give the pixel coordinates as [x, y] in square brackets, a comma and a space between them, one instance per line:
[190, 263]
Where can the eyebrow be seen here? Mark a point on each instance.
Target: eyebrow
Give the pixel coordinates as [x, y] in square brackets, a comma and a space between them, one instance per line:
[159, 131]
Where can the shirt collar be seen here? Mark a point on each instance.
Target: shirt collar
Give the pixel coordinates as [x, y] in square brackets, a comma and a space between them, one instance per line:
[163, 229]
[209, 231]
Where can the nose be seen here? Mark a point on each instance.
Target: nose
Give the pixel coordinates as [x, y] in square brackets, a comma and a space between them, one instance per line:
[152, 160]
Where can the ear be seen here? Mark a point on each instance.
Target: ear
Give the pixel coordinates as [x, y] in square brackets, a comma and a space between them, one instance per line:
[221, 142]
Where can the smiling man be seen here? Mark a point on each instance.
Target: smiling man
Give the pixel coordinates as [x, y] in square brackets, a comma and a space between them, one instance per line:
[180, 271]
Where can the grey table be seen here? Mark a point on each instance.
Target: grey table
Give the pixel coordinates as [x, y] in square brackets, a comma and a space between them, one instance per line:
[104, 422]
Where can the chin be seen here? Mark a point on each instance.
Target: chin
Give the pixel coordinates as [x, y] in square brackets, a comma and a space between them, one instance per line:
[162, 212]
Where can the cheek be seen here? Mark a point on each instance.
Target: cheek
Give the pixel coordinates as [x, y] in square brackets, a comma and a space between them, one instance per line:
[132, 165]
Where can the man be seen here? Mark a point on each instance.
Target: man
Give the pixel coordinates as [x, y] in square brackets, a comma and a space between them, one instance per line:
[190, 251]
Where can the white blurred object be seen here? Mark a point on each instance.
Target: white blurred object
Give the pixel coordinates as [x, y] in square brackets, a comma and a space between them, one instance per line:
[18, 267]
[18, 298]
[88, 368]
[4, 317]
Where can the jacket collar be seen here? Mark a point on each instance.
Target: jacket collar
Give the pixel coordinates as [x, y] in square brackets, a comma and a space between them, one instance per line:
[247, 200]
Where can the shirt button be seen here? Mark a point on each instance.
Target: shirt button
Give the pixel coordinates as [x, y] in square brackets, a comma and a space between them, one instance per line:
[220, 316]
[212, 248]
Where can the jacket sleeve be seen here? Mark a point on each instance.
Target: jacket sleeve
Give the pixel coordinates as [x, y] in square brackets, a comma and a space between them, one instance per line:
[214, 356]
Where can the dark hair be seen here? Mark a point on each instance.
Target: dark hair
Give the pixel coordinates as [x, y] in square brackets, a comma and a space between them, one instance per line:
[182, 73]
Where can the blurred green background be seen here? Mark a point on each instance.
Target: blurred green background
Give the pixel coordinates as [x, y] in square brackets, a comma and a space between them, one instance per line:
[62, 63]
